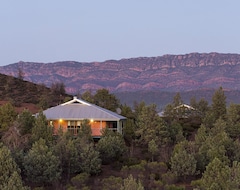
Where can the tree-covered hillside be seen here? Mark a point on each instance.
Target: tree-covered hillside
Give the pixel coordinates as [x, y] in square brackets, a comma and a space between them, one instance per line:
[24, 94]
[196, 148]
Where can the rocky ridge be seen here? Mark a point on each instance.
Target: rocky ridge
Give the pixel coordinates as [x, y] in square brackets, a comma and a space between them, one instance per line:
[166, 73]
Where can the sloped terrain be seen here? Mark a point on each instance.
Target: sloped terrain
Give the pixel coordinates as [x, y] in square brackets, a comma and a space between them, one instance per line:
[23, 94]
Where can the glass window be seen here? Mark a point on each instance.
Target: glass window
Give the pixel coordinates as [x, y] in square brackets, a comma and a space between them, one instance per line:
[74, 127]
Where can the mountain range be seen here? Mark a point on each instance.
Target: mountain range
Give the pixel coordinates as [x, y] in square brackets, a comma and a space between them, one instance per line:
[165, 73]
[149, 79]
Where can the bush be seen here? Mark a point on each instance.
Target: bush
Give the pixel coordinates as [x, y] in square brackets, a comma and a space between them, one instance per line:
[169, 178]
[80, 180]
[112, 183]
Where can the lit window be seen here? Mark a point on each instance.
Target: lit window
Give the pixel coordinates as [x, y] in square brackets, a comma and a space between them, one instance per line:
[74, 127]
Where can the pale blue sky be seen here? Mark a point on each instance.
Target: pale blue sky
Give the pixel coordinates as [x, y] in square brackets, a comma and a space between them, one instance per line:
[88, 30]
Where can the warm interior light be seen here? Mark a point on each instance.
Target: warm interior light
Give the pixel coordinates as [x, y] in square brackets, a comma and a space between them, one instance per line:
[91, 120]
[60, 120]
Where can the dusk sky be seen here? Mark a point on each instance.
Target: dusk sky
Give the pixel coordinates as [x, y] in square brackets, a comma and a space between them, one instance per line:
[87, 30]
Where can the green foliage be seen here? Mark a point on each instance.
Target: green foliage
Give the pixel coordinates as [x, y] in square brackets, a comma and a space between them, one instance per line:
[201, 106]
[41, 129]
[177, 100]
[175, 132]
[233, 118]
[41, 165]
[111, 183]
[90, 161]
[152, 148]
[138, 169]
[111, 148]
[130, 126]
[106, 100]
[183, 162]
[79, 181]
[9, 172]
[173, 187]
[169, 178]
[219, 176]
[68, 154]
[77, 155]
[157, 167]
[216, 176]
[219, 104]
[212, 143]
[87, 96]
[131, 184]
[14, 183]
[236, 151]
[7, 116]
[151, 126]
[26, 122]
[103, 99]
[85, 132]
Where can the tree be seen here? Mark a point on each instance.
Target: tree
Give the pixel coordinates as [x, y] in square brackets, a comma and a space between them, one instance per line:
[7, 116]
[12, 137]
[43, 102]
[85, 132]
[216, 176]
[129, 127]
[87, 96]
[233, 118]
[201, 106]
[9, 172]
[79, 181]
[131, 184]
[90, 160]
[106, 100]
[68, 155]
[212, 143]
[14, 183]
[111, 147]
[235, 176]
[41, 129]
[41, 165]
[152, 148]
[219, 104]
[173, 110]
[175, 132]
[177, 100]
[26, 122]
[111, 183]
[58, 92]
[218, 142]
[183, 162]
[151, 126]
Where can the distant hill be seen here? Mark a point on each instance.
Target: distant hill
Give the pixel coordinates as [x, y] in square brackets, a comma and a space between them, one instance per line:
[164, 73]
[23, 94]
[150, 79]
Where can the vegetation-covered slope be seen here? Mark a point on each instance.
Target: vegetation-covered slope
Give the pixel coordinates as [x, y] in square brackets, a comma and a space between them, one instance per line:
[27, 94]
[182, 150]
